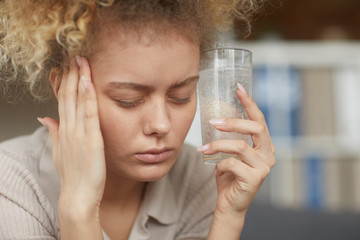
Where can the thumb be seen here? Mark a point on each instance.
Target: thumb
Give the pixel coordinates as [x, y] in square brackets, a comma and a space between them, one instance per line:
[53, 127]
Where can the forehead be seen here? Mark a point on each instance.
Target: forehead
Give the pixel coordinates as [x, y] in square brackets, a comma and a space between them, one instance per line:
[145, 59]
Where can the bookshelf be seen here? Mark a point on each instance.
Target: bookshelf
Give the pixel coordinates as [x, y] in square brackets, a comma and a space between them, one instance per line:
[318, 162]
[304, 53]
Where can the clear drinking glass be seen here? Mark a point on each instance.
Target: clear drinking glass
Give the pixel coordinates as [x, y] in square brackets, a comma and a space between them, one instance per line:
[221, 69]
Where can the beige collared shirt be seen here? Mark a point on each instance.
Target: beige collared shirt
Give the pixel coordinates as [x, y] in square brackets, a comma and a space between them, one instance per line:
[178, 206]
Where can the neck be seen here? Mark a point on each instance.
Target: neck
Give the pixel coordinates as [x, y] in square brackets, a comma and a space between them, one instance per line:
[120, 205]
[121, 191]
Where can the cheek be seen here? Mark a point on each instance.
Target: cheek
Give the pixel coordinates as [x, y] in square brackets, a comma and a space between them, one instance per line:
[183, 119]
[115, 126]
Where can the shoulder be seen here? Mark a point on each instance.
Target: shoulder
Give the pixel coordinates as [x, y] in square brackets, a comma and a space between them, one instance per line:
[20, 161]
[20, 166]
[19, 185]
[25, 149]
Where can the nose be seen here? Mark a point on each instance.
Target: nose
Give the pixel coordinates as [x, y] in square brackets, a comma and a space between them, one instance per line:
[157, 120]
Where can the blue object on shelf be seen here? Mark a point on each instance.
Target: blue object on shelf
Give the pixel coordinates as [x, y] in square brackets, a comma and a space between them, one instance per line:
[314, 181]
[277, 91]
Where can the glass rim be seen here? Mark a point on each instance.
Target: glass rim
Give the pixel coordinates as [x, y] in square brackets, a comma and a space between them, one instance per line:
[226, 48]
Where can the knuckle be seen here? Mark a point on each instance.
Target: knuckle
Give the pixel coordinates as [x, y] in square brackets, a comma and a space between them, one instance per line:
[241, 146]
[210, 146]
[89, 114]
[91, 110]
[213, 146]
[232, 162]
[272, 162]
[267, 170]
[260, 129]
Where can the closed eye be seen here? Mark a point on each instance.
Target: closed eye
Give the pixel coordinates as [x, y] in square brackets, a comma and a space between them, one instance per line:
[180, 100]
[129, 104]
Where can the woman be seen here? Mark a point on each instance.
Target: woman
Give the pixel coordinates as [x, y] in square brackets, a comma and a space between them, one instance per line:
[125, 107]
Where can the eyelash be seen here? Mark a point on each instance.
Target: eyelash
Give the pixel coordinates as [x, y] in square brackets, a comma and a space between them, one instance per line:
[129, 104]
[181, 100]
[133, 104]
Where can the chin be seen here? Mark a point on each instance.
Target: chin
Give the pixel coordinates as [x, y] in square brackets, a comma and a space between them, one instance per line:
[142, 172]
[152, 172]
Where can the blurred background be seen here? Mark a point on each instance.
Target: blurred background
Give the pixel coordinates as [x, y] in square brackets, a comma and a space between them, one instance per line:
[306, 58]
[306, 80]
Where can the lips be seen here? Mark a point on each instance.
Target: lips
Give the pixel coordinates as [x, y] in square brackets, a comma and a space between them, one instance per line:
[154, 155]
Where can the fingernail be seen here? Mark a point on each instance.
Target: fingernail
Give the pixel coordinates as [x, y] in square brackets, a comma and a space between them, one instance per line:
[242, 89]
[41, 121]
[203, 148]
[84, 82]
[217, 122]
[78, 60]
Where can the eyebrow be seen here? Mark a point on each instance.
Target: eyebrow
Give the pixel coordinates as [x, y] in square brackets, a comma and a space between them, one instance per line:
[142, 87]
[185, 82]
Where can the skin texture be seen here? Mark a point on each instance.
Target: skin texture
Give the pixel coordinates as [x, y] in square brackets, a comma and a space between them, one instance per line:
[131, 99]
[140, 99]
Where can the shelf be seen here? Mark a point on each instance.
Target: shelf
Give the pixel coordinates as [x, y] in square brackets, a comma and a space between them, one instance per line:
[303, 54]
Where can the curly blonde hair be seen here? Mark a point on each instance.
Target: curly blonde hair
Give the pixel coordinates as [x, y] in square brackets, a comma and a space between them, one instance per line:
[36, 36]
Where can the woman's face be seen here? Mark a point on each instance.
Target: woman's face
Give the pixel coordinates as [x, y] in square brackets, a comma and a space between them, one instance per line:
[147, 100]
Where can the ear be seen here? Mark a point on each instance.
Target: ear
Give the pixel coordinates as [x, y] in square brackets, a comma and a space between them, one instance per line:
[55, 80]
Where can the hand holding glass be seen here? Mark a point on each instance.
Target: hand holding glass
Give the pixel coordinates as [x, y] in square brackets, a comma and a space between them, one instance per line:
[221, 71]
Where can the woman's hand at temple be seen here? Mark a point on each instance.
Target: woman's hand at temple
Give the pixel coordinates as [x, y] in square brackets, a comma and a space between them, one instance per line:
[239, 181]
[78, 153]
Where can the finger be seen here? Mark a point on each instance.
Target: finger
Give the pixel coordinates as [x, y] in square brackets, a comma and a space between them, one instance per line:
[242, 126]
[68, 96]
[239, 147]
[61, 105]
[234, 166]
[248, 176]
[253, 111]
[249, 104]
[88, 102]
[82, 87]
[258, 130]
